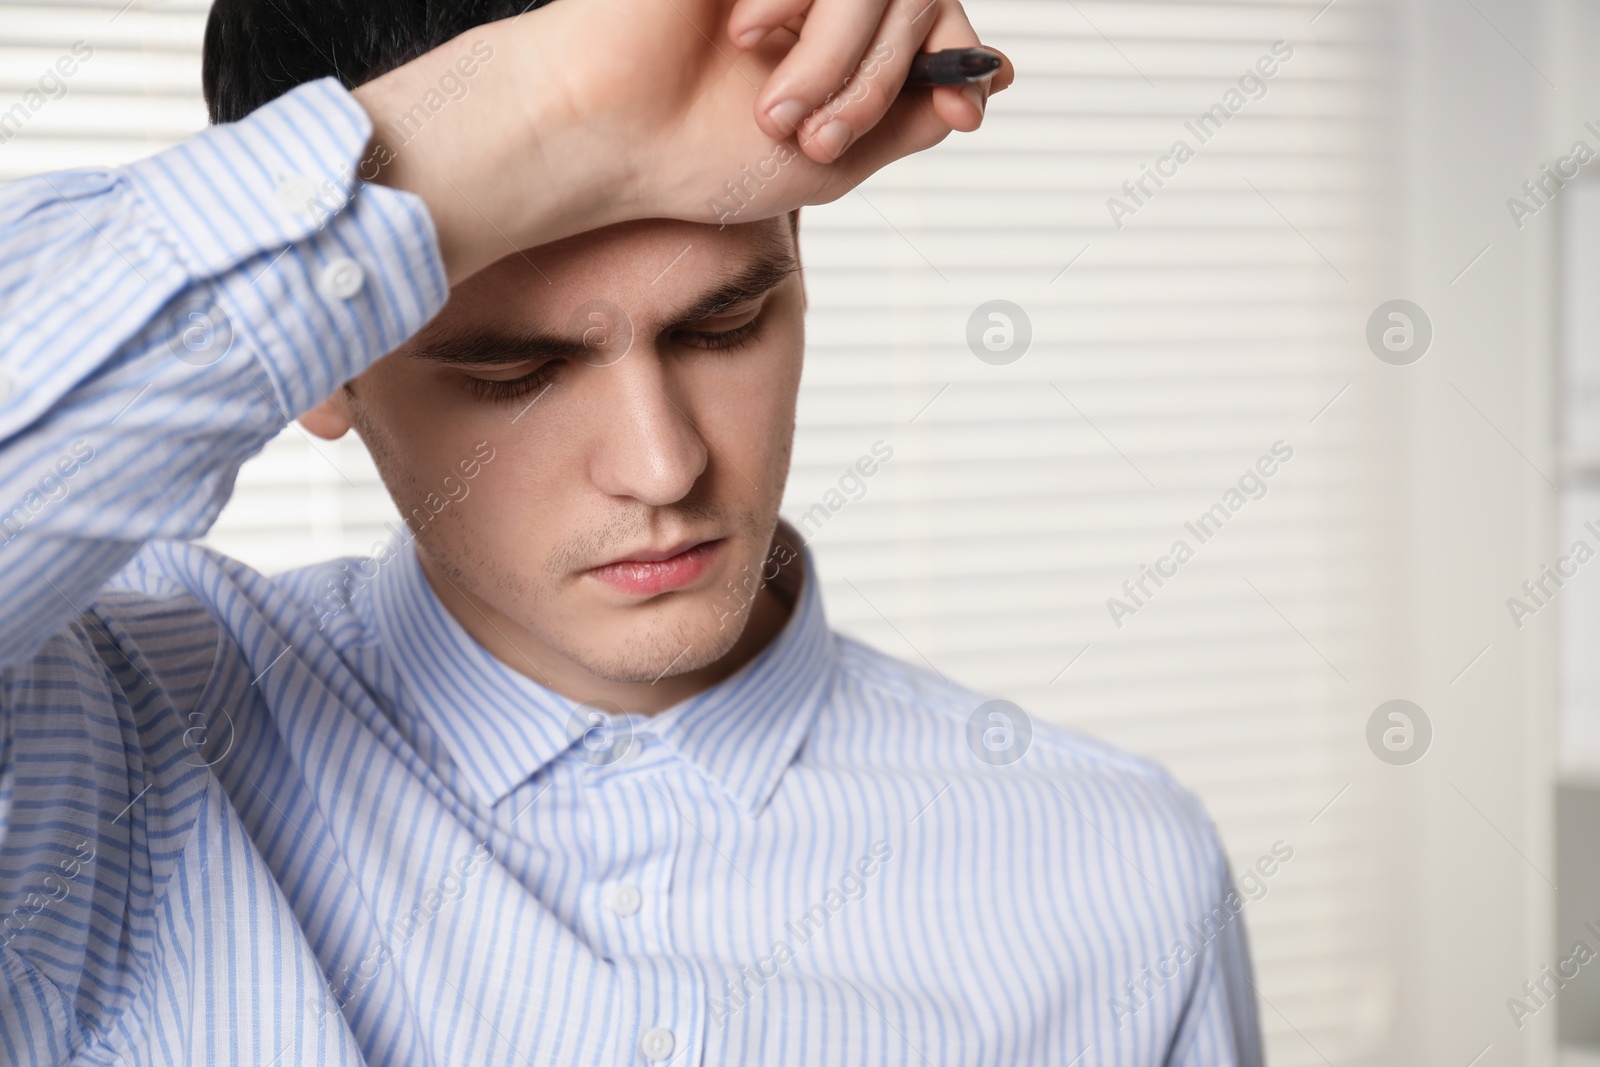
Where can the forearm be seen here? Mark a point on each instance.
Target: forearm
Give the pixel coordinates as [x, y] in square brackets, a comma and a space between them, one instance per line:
[504, 164]
[579, 116]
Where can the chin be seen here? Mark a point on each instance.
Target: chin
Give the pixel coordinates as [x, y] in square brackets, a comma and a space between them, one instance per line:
[692, 634]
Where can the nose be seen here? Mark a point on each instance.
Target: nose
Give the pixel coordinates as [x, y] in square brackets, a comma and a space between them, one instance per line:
[648, 447]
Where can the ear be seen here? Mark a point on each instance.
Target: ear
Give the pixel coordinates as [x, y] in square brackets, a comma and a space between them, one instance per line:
[329, 420]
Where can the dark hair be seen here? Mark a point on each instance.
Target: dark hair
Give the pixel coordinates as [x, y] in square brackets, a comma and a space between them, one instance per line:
[257, 50]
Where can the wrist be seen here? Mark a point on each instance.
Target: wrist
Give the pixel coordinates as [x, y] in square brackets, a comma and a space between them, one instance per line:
[498, 158]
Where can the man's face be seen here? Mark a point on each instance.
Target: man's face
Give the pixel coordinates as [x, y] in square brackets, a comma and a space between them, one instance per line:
[581, 510]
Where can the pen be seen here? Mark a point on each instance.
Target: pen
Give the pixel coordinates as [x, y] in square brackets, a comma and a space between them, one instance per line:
[952, 66]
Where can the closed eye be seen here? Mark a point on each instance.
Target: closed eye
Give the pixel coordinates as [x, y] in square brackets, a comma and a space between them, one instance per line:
[745, 326]
[732, 329]
[504, 389]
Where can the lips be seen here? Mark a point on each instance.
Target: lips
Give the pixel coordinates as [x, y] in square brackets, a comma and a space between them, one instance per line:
[651, 573]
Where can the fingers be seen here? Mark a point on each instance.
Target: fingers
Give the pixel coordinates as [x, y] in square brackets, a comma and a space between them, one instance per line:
[835, 37]
[910, 125]
[961, 108]
[751, 20]
[844, 87]
[857, 105]
[914, 121]
[842, 90]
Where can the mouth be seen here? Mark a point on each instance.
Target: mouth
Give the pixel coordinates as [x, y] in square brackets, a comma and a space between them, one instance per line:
[650, 573]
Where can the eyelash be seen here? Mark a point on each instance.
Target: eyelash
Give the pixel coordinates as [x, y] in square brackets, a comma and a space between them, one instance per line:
[512, 388]
[727, 339]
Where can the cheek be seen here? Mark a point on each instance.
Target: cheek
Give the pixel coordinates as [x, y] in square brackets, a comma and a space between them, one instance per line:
[749, 403]
[420, 432]
[533, 493]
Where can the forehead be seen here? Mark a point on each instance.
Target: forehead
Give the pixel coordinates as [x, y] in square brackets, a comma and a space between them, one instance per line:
[650, 267]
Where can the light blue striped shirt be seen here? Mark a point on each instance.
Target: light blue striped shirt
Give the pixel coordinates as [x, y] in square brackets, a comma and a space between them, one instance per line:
[307, 819]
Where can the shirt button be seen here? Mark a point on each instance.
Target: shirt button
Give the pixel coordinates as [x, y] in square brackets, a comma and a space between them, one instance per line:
[657, 1043]
[341, 279]
[625, 899]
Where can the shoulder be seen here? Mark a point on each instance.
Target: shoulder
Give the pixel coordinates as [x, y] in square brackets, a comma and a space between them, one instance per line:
[310, 604]
[911, 699]
[1004, 809]
[921, 722]
[174, 616]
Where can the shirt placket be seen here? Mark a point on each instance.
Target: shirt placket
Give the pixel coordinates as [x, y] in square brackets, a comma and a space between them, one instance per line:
[627, 900]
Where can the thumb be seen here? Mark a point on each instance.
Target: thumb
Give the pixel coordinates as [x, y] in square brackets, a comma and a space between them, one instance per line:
[911, 124]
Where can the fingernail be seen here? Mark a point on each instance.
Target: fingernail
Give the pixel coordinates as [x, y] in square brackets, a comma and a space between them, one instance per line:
[833, 138]
[787, 114]
[976, 94]
[751, 36]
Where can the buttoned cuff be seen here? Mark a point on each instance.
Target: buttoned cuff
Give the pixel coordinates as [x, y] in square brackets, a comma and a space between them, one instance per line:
[321, 274]
[233, 190]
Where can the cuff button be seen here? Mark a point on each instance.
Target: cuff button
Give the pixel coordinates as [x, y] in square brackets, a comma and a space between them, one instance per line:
[341, 278]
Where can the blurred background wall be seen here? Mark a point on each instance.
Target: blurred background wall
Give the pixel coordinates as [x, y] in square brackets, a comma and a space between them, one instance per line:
[1159, 338]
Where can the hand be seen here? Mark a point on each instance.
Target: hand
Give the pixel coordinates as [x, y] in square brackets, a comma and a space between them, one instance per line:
[594, 112]
[888, 33]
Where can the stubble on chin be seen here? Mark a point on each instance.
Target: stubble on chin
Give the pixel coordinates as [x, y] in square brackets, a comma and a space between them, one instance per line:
[676, 634]
[683, 632]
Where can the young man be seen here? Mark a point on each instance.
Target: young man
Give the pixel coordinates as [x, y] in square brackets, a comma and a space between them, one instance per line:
[572, 771]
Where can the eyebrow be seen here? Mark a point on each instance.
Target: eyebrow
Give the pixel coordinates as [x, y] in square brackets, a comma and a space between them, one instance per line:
[499, 348]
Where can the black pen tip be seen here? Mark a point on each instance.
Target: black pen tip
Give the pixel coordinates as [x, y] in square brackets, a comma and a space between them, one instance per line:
[976, 62]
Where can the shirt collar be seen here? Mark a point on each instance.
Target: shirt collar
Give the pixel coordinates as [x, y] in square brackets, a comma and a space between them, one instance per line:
[500, 726]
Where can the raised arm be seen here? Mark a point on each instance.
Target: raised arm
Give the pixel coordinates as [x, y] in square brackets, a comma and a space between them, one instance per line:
[159, 323]
[610, 110]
